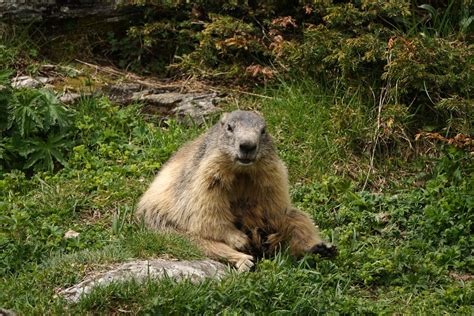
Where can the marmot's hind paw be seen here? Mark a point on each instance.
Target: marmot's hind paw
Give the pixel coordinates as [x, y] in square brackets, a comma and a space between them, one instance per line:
[324, 250]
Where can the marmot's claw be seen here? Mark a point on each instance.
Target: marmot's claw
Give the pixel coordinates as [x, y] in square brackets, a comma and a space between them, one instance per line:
[325, 250]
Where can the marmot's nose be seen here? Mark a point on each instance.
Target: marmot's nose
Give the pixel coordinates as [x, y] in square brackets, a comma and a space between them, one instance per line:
[248, 147]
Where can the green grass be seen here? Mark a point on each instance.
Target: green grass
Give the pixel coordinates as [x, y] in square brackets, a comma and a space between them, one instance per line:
[398, 248]
[314, 130]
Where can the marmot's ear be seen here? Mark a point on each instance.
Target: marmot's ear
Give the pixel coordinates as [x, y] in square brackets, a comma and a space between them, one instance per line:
[224, 118]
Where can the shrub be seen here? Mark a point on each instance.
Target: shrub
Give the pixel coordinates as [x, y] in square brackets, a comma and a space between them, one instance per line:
[432, 76]
[411, 81]
[226, 46]
[411, 61]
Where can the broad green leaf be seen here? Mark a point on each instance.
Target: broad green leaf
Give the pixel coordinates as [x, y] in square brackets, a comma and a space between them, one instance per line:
[54, 112]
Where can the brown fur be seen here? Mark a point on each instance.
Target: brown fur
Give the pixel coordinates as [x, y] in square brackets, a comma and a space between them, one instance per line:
[233, 211]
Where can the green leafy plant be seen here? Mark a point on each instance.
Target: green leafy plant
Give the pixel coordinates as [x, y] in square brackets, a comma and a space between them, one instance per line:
[35, 111]
[36, 129]
[41, 154]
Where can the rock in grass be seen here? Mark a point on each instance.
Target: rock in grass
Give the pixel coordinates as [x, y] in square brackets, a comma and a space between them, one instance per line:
[71, 234]
[167, 99]
[196, 106]
[7, 312]
[29, 82]
[69, 97]
[141, 270]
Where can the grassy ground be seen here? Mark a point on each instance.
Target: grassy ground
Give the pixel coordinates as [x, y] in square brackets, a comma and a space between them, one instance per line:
[405, 243]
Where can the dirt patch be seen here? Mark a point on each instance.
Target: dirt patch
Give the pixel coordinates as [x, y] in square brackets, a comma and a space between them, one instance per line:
[461, 276]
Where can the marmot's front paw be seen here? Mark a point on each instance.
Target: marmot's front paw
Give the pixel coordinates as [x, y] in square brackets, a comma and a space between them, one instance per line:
[325, 250]
[245, 263]
[237, 240]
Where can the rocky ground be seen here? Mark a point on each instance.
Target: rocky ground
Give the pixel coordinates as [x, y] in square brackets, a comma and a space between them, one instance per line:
[187, 101]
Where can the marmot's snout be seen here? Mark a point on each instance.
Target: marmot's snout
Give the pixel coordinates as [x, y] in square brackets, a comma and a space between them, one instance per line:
[247, 152]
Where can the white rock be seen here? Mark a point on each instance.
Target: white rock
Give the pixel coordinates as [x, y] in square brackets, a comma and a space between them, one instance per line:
[142, 270]
[71, 234]
[29, 82]
[163, 99]
[69, 97]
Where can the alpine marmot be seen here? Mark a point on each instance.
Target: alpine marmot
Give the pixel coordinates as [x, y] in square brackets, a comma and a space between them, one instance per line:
[228, 190]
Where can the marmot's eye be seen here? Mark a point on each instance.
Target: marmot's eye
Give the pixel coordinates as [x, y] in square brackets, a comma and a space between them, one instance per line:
[263, 131]
[229, 128]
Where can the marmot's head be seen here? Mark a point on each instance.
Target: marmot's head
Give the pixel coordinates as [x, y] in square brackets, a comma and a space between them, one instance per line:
[243, 137]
